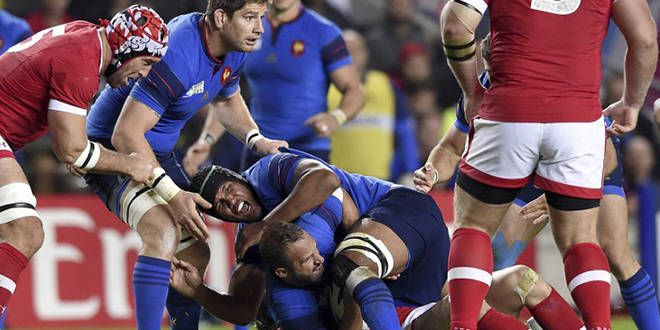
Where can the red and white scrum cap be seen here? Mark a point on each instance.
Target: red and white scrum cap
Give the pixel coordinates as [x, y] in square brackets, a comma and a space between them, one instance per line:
[136, 31]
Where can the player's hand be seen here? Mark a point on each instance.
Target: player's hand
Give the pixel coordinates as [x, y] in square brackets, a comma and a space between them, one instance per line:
[184, 278]
[184, 209]
[267, 146]
[535, 211]
[323, 124]
[656, 111]
[425, 177]
[75, 171]
[195, 156]
[140, 168]
[624, 117]
[393, 277]
[472, 103]
[249, 236]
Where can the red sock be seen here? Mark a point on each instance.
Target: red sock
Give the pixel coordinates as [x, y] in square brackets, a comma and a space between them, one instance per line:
[12, 263]
[470, 268]
[496, 320]
[554, 313]
[588, 276]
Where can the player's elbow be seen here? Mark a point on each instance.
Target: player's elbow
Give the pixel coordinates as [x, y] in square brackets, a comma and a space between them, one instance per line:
[327, 179]
[68, 152]
[119, 138]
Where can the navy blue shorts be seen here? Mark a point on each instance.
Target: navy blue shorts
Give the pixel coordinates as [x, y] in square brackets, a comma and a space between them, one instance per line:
[416, 219]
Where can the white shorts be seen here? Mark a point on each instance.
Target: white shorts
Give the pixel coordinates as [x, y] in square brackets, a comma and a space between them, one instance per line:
[413, 314]
[567, 158]
[5, 150]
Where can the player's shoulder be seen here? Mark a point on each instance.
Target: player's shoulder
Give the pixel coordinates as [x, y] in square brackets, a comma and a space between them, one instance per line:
[184, 32]
[15, 23]
[314, 19]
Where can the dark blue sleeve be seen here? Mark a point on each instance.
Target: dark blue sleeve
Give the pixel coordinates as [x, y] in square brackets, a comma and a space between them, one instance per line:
[406, 151]
[294, 308]
[280, 171]
[159, 88]
[461, 124]
[334, 52]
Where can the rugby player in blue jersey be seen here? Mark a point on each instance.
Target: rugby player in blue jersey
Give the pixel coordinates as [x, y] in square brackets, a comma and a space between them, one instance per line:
[392, 230]
[508, 243]
[12, 30]
[207, 53]
[289, 74]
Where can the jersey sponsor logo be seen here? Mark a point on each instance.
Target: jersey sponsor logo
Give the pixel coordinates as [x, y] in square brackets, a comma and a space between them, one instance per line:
[197, 88]
[297, 48]
[557, 7]
[226, 73]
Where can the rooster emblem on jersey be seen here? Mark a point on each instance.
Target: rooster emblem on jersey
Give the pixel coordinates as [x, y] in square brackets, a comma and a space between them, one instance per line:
[297, 48]
[225, 75]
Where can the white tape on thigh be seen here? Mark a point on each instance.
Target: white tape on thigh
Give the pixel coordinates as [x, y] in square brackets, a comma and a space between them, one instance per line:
[17, 201]
[359, 241]
[136, 202]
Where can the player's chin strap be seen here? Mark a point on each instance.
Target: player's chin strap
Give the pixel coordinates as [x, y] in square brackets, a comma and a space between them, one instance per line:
[370, 247]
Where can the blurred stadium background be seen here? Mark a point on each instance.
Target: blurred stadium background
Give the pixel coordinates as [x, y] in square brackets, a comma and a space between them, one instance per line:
[81, 277]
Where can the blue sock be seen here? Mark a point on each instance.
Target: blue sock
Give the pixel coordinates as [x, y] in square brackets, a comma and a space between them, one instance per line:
[503, 255]
[184, 313]
[376, 304]
[640, 298]
[151, 278]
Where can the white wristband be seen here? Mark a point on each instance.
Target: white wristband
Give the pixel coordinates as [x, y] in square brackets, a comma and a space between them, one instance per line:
[252, 137]
[88, 157]
[340, 115]
[163, 185]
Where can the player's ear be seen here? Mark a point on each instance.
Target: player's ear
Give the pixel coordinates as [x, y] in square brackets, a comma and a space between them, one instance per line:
[219, 17]
[281, 272]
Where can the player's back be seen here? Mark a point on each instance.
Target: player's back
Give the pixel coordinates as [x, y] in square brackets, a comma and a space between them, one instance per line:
[58, 69]
[545, 59]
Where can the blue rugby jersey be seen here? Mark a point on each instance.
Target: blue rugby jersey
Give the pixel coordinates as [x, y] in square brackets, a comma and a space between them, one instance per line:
[12, 30]
[187, 78]
[272, 176]
[289, 77]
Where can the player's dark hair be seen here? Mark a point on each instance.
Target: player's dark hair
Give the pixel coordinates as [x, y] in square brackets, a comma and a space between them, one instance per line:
[228, 6]
[485, 48]
[208, 180]
[277, 236]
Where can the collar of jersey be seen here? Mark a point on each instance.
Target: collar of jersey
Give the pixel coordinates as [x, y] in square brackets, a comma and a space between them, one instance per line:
[275, 30]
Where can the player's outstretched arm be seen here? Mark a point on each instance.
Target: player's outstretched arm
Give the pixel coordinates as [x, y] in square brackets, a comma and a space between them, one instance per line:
[234, 115]
[71, 146]
[199, 151]
[443, 159]
[135, 120]
[635, 22]
[239, 305]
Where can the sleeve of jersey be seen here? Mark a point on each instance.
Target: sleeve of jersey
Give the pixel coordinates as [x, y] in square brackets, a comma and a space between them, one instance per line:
[478, 5]
[334, 52]
[281, 169]
[159, 88]
[406, 153]
[72, 85]
[296, 308]
[460, 123]
[232, 83]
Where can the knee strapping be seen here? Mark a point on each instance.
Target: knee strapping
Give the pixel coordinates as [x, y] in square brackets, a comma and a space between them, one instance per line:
[370, 247]
[17, 201]
[347, 274]
[528, 280]
[136, 202]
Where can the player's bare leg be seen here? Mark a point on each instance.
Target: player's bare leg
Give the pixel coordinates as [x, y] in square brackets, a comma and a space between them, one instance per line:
[585, 264]
[184, 312]
[21, 232]
[636, 287]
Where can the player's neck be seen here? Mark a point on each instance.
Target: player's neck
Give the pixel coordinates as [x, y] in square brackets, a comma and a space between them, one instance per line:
[214, 40]
[106, 52]
[287, 15]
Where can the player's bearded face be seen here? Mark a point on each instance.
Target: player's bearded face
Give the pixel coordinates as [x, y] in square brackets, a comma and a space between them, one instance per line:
[133, 69]
[236, 202]
[306, 266]
[244, 28]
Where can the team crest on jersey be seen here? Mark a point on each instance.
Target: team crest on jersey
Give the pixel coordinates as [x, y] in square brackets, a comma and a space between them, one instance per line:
[226, 73]
[297, 48]
[197, 88]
